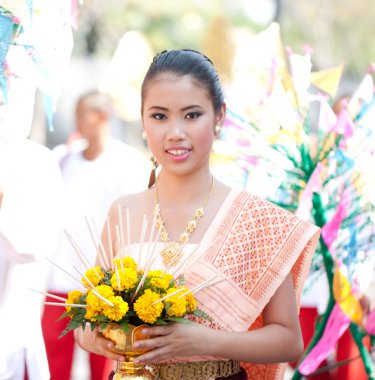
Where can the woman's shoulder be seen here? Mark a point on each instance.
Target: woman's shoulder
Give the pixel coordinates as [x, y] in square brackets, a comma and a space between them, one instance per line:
[131, 201]
[256, 203]
[266, 212]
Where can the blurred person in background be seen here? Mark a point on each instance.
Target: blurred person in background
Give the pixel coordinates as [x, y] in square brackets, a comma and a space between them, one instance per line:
[30, 215]
[97, 169]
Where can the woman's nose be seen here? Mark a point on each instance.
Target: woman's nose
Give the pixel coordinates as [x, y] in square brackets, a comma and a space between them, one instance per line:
[176, 130]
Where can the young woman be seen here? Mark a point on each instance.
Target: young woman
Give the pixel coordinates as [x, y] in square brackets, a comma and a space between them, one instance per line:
[264, 250]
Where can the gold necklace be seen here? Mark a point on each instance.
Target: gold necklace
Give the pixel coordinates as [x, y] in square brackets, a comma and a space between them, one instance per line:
[172, 252]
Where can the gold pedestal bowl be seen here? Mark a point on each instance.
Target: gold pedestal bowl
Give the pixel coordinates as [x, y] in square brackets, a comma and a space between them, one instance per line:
[123, 344]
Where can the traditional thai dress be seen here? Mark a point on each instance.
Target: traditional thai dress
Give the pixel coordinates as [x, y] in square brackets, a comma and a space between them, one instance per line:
[257, 244]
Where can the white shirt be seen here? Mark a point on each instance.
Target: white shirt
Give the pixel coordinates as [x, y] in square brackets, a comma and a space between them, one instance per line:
[29, 227]
[91, 186]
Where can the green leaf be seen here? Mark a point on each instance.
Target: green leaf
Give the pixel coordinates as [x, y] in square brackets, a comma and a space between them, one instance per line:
[201, 314]
[160, 322]
[181, 280]
[63, 333]
[63, 315]
[102, 326]
[102, 319]
[179, 320]
[125, 326]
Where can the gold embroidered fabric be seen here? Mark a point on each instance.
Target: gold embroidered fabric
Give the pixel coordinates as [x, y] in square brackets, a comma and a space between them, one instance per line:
[196, 370]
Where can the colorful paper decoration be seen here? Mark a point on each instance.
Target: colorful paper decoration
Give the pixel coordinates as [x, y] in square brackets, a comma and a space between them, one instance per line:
[318, 168]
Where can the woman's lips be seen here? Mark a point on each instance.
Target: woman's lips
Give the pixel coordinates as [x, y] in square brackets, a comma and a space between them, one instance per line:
[178, 154]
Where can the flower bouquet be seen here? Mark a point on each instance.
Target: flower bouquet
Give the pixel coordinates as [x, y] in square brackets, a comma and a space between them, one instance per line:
[127, 296]
[122, 295]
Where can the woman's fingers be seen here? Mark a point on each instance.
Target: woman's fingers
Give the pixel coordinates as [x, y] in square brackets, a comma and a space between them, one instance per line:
[93, 341]
[158, 330]
[105, 348]
[149, 344]
[155, 355]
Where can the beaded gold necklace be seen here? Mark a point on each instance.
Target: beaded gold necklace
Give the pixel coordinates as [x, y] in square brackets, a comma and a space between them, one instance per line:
[172, 252]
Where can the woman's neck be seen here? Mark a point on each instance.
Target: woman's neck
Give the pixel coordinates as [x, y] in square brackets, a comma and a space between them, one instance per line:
[189, 188]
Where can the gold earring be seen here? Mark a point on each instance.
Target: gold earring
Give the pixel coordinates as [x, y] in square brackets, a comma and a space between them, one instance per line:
[217, 129]
[144, 135]
[152, 179]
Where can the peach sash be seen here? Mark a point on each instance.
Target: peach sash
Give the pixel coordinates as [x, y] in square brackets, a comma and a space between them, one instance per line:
[259, 244]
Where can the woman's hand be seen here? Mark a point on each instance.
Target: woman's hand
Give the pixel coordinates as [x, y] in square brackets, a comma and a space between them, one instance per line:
[93, 341]
[176, 339]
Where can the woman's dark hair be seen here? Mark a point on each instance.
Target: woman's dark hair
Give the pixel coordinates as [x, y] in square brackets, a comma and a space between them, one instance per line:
[187, 62]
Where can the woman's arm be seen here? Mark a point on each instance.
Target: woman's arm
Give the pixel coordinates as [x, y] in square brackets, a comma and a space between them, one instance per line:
[278, 341]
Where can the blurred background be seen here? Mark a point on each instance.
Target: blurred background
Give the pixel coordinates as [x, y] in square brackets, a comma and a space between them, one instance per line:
[336, 31]
[115, 41]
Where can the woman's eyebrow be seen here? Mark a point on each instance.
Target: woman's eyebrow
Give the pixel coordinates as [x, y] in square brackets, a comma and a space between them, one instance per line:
[160, 108]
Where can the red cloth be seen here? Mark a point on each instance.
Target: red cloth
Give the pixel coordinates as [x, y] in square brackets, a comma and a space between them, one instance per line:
[60, 351]
[346, 349]
[307, 318]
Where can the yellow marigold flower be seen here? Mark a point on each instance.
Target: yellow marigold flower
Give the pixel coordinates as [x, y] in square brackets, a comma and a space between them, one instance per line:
[119, 309]
[168, 277]
[91, 314]
[160, 283]
[191, 303]
[127, 262]
[92, 275]
[128, 278]
[176, 305]
[95, 302]
[73, 297]
[155, 273]
[145, 309]
[160, 280]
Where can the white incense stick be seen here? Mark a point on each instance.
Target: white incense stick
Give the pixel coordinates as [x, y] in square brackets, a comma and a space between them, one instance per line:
[84, 260]
[148, 265]
[110, 242]
[211, 281]
[216, 281]
[128, 227]
[190, 265]
[70, 275]
[142, 238]
[119, 251]
[145, 271]
[118, 278]
[93, 288]
[152, 257]
[168, 296]
[186, 259]
[100, 258]
[49, 295]
[121, 222]
[66, 304]
[151, 237]
[80, 254]
[101, 246]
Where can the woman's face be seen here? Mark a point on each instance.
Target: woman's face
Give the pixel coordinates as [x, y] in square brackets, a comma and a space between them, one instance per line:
[179, 120]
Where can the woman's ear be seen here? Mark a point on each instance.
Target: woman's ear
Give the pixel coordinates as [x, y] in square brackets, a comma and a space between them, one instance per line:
[220, 118]
[221, 115]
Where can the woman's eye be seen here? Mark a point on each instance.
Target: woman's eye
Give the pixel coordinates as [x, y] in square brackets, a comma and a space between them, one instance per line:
[158, 116]
[193, 115]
